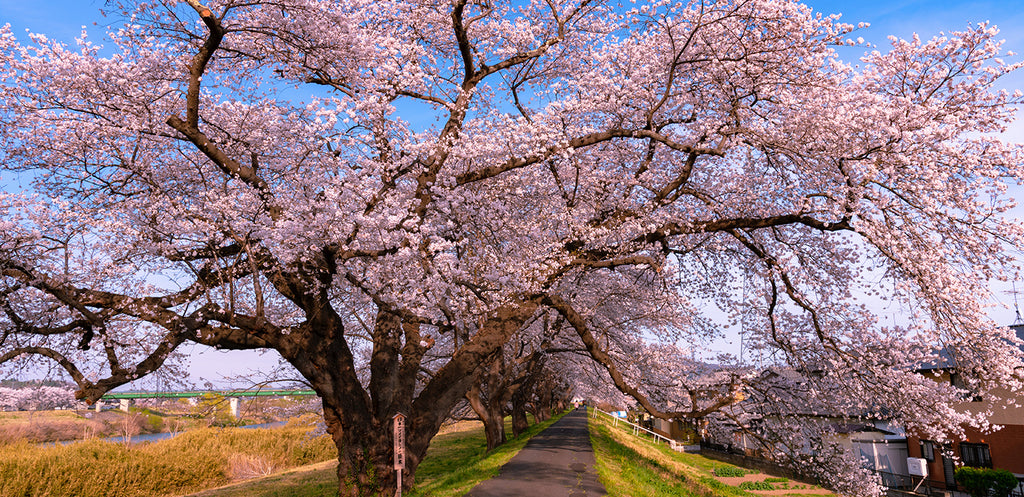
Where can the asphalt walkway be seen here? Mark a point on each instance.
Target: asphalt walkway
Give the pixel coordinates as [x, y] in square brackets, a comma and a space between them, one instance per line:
[558, 462]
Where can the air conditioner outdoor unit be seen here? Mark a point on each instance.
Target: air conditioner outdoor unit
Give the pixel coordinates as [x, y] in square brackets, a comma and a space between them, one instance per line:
[917, 466]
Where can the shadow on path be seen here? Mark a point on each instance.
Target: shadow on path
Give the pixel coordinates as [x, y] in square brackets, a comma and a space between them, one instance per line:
[558, 462]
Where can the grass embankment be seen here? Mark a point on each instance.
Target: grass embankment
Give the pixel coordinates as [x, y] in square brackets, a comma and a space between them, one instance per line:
[456, 461]
[191, 461]
[49, 426]
[636, 467]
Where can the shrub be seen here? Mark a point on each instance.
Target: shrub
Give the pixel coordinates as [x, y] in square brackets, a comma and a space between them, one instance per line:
[776, 479]
[154, 423]
[730, 471]
[986, 482]
[756, 485]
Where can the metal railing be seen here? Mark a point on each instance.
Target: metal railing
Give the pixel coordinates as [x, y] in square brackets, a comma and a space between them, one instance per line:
[636, 428]
[898, 485]
[1019, 491]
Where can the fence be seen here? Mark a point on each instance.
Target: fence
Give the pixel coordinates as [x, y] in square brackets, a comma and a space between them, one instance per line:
[907, 486]
[1018, 491]
[898, 485]
[737, 457]
[637, 429]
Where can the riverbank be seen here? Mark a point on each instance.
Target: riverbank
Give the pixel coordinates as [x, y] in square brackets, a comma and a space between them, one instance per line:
[76, 425]
[170, 417]
[195, 460]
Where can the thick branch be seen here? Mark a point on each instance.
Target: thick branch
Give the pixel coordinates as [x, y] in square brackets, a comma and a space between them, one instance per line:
[465, 50]
[595, 263]
[726, 225]
[578, 142]
[200, 61]
[59, 358]
[228, 165]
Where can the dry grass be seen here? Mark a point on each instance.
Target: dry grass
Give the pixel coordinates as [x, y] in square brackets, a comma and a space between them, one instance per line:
[314, 480]
[458, 426]
[47, 426]
[246, 466]
[191, 461]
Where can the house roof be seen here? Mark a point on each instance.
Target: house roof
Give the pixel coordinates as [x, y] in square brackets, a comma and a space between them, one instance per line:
[847, 428]
[945, 358]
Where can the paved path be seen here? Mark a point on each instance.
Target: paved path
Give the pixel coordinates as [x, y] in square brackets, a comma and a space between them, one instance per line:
[558, 462]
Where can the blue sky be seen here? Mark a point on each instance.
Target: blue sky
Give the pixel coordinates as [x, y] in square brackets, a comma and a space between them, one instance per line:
[63, 20]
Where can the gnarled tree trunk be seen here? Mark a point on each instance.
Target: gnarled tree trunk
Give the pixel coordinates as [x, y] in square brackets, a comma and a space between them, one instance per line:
[360, 418]
[490, 412]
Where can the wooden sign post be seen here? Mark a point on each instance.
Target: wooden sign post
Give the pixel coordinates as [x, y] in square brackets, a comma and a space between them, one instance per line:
[399, 423]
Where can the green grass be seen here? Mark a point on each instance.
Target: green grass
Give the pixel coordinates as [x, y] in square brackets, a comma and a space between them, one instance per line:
[635, 467]
[454, 465]
[624, 475]
[756, 485]
[731, 471]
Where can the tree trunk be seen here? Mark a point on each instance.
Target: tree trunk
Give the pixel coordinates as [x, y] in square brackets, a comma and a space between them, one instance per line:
[524, 390]
[519, 421]
[544, 406]
[494, 425]
[360, 456]
[360, 419]
[538, 412]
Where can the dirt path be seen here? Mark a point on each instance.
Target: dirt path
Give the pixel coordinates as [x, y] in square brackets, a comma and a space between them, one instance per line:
[809, 489]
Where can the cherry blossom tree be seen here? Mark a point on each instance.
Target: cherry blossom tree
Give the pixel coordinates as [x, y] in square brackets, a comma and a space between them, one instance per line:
[371, 187]
[36, 398]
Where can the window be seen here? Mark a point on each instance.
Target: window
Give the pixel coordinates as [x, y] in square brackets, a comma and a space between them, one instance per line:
[928, 450]
[975, 455]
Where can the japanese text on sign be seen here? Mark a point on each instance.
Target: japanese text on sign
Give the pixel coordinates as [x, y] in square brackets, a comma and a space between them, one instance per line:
[399, 441]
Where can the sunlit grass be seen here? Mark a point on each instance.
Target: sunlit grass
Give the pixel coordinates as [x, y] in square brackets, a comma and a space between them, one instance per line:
[634, 467]
[454, 465]
[637, 467]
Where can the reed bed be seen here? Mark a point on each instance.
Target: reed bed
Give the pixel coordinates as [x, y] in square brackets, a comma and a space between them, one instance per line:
[192, 461]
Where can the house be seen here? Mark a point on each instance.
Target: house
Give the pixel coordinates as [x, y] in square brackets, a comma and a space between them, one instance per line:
[778, 401]
[706, 385]
[676, 429]
[879, 444]
[1003, 449]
